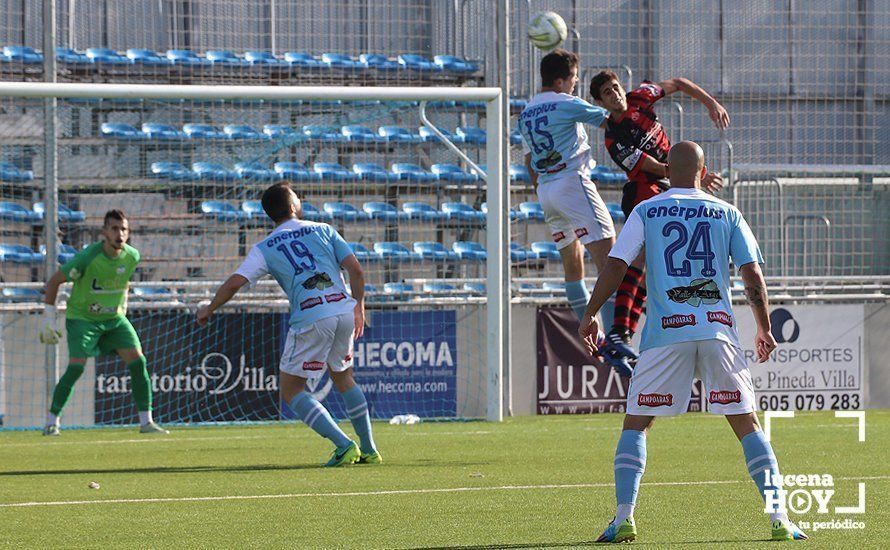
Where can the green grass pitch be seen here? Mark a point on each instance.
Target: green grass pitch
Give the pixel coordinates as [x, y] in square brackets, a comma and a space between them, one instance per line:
[525, 483]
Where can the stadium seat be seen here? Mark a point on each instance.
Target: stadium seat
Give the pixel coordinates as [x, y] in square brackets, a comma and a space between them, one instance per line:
[342, 61]
[294, 171]
[254, 208]
[226, 58]
[370, 171]
[519, 254]
[203, 131]
[187, 58]
[616, 212]
[438, 287]
[342, 211]
[173, 171]
[519, 173]
[282, 131]
[395, 252]
[383, 211]
[266, 59]
[445, 104]
[150, 291]
[477, 288]
[453, 173]
[523, 288]
[255, 171]
[397, 134]
[22, 54]
[546, 251]
[242, 131]
[379, 62]
[19, 254]
[470, 134]
[463, 212]
[434, 251]
[602, 174]
[66, 215]
[154, 130]
[469, 250]
[303, 60]
[362, 254]
[323, 132]
[556, 288]
[332, 171]
[515, 137]
[422, 211]
[11, 294]
[517, 104]
[213, 171]
[427, 135]
[413, 172]
[121, 130]
[416, 62]
[454, 64]
[398, 288]
[68, 56]
[13, 212]
[361, 134]
[65, 252]
[313, 214]
[148, 58]
[223, 211]
[532, 210]
[12, 173]
[107, 56]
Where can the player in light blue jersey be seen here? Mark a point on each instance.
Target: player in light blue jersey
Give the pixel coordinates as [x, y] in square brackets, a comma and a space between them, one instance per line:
[305, 258]
[558, 161]
[690, 238]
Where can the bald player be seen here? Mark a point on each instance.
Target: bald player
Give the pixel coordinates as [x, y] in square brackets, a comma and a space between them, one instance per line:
[690, 238]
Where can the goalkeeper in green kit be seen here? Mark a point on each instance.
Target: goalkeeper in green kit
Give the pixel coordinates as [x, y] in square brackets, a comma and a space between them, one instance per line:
[95, 319]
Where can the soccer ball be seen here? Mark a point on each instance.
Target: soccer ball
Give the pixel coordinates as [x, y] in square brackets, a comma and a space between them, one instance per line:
[547, 30]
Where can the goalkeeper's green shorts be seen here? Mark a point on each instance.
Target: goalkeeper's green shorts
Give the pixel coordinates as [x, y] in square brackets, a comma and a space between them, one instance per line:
[92, 338]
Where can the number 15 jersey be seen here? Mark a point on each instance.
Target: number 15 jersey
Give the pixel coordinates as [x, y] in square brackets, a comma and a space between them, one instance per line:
[690, 237]
[304, 257]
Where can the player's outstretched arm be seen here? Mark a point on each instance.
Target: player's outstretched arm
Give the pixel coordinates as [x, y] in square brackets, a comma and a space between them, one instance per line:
[224, 293]
[49, 333]
[357, 284]
[755, 291]
[716, 111]
[606, 284]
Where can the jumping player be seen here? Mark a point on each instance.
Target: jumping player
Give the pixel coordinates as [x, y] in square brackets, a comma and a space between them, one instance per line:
[637, 142]
[96, 320]
[305, 258]
[689, 238]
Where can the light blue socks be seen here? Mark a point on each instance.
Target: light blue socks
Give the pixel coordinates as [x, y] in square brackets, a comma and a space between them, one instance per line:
[578, 296]
[759, 458]
[357, 409]
[318, 418]
[630, 463]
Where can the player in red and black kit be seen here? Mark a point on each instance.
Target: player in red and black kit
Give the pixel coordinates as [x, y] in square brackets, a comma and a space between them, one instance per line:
[638, 143]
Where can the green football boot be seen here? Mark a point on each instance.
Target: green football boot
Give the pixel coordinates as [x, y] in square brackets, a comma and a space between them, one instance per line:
[370, 458]
[626, 531]
[344, 455]
[786, 530]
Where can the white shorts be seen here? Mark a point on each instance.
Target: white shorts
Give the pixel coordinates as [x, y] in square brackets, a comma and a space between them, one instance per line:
[574, 210]
[327, 343]
[662, 380]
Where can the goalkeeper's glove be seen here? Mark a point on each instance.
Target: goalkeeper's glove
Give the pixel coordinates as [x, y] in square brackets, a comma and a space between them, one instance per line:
[49, 334]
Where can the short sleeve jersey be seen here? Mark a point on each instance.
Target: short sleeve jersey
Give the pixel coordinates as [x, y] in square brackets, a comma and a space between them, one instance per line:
[690, 238]
[304, 257]
[636, 133]
[552, 128]
[100, 282]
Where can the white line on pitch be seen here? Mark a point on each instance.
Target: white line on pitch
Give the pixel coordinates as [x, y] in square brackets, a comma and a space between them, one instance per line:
[386, 493]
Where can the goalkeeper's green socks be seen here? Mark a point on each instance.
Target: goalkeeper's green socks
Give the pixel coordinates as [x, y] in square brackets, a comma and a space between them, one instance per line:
[64, 387]
[357, 409]
[141, 388]
[319, 419]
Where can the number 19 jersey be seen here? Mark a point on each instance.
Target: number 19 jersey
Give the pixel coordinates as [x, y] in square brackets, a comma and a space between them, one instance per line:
[304, 257]
[690, 237]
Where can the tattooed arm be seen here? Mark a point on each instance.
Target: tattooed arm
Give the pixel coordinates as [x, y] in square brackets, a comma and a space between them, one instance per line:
[755, 291]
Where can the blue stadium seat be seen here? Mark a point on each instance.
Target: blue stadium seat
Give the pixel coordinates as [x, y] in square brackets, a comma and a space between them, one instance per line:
[434, 251]
[413, 172]
[523, 288]
[470, 134]
[463, 212]
[517, 104]
[345, 212]
[371, 171]
[255, 171]
[121, 130]
[416, 62]
[203, 131]
[226, 58]
[397, 134]
[477, 288]
[469, 250]
[422, 211]
[520, 254]
[602, 174]
[19, 254]
[398, 288]
[213, 171]
[532, 210]
[66, 215]
[155, 130]
[454, 173]
[22, 54]
[282, 131]
[148, 58]
[518, 172]
[266, 59]
[438, 287]
[332, 171]
[13, 212]
[107, 56]
[68, 56]
[360, 134]
[323, 132]
[11, 172]
[546, 251]
[173, 171]
[294, 171]
[253, 208]
[515, 137]
[313, 214]
[395, 252]
[379, 62]
[242, 131]
[427, 135]
[362, 254]
[65, 252]
[150, 291]
[383, 211]
[21, 295]
[187, 58]
[616, 212]
[303, 60]
[223, 211]
[453, 64]
[342, 61]
[446, 104]
[556, 288]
